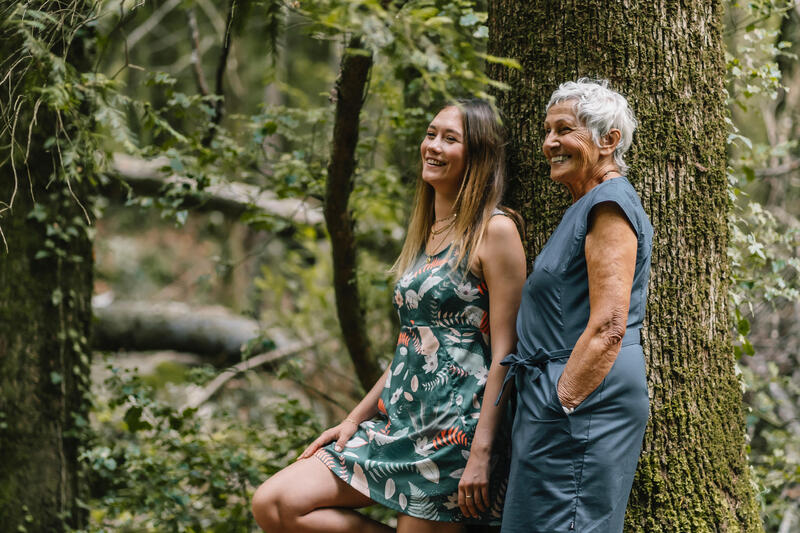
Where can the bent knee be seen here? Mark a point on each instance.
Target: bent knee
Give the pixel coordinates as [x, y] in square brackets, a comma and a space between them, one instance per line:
[266, 506]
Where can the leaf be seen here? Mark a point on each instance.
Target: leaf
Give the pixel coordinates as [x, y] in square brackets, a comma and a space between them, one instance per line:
[468, 20]
[133, 419]
[429, 470]
[356, 442]
[421, 505]
[359, 479]
[389, 489]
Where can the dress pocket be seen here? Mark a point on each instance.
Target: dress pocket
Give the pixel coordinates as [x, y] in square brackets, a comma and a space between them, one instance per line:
[594, 396]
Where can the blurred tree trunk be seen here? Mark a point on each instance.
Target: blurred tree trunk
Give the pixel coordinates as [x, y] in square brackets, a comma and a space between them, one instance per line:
[349, 94]
[45, 291]
[666, 57]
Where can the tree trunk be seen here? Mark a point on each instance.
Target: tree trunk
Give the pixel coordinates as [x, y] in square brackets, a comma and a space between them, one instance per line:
[349, 94]
[45, 288]
[666, 56]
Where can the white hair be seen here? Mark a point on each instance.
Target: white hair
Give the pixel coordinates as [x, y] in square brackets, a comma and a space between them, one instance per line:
[599, 109]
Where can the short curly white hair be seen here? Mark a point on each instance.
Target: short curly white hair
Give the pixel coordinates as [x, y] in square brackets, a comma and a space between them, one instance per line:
[599, 109]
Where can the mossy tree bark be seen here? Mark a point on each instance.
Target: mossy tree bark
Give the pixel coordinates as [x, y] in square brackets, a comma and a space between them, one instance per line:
[45, 296]
[666, 56]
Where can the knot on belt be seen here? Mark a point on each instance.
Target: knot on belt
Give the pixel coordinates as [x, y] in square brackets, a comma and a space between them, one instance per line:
[533, 362]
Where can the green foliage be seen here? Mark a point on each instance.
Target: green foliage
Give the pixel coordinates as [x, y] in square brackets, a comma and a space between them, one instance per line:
[762, 252]
[158, 468]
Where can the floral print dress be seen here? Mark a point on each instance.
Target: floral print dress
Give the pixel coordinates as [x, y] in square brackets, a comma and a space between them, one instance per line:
[411, 456]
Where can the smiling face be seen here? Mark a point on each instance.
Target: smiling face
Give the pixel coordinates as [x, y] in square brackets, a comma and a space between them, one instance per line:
[568, 145]
[444, 152]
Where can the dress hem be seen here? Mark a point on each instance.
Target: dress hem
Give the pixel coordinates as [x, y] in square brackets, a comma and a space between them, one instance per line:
[396, 507]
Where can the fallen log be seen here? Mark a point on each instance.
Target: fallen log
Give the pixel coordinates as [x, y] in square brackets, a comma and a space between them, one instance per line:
[211, 331]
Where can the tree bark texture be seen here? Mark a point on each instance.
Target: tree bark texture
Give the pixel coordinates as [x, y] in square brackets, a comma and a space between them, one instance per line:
[666, 56]
[45, 313]
[349, 93]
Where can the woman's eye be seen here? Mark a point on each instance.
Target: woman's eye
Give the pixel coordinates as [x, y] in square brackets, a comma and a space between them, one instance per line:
[565, 130]
[451, 139]
[430, 135]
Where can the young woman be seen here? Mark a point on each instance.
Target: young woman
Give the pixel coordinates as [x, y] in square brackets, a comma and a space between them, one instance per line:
[423, 441]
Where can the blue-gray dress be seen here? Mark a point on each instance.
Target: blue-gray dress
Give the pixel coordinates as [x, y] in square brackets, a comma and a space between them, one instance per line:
[574, 472]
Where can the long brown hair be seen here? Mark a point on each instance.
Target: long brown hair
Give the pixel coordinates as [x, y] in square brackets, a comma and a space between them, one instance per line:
[478, 196]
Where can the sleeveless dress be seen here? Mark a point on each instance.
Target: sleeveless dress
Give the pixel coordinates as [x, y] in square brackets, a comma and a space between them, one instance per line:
[411, 456]
[574, 472]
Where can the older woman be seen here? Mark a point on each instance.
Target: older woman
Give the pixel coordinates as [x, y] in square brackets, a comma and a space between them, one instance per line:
[582, 402]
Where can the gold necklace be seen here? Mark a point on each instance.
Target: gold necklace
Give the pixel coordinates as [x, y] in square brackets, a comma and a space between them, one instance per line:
[439, 248]
[439, 231]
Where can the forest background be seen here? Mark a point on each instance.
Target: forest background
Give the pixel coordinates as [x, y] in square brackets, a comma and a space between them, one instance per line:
[217, 349]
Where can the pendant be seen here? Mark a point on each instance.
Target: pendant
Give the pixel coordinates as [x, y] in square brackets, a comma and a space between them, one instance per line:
[428, 260]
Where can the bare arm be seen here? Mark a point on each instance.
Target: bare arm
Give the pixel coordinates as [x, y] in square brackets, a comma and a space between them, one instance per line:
[341, 433]
[502, 261]
[610, 261]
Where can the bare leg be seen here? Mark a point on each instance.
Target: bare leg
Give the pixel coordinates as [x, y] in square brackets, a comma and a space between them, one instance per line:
[410, 524]
[306, 497]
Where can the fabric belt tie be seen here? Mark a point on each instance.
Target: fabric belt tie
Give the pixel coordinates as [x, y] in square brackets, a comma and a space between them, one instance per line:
[535, 362]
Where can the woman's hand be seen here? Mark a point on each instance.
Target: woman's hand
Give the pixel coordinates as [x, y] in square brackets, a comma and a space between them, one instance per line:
[341, 434]
[473, 489]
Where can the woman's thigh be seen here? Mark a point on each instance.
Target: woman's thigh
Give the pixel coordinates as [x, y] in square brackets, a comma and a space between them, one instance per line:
[410, 524]
[304, 486]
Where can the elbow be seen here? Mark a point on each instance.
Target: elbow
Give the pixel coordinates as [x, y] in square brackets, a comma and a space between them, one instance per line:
[610, 331]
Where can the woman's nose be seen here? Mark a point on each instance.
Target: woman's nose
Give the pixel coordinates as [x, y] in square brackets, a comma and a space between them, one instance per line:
[435, 145]
[550, 140]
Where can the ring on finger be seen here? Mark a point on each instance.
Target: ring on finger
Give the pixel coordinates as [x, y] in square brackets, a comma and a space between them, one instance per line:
[468, 496]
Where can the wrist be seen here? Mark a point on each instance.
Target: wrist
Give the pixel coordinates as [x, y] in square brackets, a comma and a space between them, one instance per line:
[481, 449]
[352, 420]
[565, 399]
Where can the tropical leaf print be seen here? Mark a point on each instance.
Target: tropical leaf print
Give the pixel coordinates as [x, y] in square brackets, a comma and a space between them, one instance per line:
[403, 338]
[456, 474]
[327, 459]
[382, 439]
[454, 320]
[378, 470]
[497, 506]
[429, 470]
[420, 504]
[356, 442]
[423, 447]
[442, 376]
[389, 488]
[449, 437]
[427, 284]
[359, 480]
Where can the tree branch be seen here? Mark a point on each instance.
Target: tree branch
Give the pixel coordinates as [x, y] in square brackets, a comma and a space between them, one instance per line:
[200, 395]
[232, 199]
[197, 65]
[151, 22]
[349, 93]
[779, 170]
[219, 105]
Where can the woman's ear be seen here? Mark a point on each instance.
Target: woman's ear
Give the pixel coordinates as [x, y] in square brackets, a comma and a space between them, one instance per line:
[609, 141]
